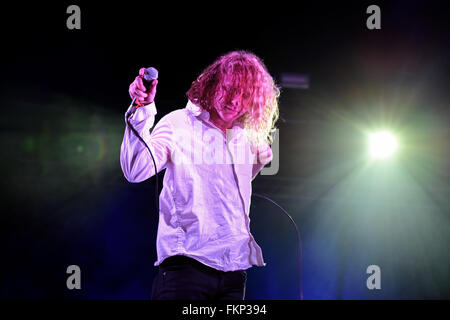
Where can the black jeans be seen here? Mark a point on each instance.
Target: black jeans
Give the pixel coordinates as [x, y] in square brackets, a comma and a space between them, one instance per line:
[183, 278]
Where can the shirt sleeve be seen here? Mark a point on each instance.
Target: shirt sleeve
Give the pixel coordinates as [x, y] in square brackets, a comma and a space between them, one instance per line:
[256, 169]
[135, 159]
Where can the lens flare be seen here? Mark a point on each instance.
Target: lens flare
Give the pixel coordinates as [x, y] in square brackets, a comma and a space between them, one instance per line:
[382, 144]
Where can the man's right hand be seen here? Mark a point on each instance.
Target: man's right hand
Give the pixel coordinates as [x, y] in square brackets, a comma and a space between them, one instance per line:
[137, 89]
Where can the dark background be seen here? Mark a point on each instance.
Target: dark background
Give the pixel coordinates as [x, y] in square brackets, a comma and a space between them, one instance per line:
[63, 97]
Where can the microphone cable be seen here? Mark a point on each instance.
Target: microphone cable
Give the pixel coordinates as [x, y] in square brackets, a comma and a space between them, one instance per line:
[149, 74]
[299, 242]
[127, 115]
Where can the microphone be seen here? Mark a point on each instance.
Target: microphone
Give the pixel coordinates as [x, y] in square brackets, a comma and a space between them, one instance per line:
[150, 74]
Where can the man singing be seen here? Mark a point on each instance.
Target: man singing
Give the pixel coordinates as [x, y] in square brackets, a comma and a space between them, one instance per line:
[212, 150]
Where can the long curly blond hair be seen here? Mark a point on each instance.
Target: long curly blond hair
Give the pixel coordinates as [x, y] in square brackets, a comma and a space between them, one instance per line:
[244, 74]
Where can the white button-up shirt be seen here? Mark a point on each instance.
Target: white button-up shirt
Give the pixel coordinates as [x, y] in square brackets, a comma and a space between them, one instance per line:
[205, 200]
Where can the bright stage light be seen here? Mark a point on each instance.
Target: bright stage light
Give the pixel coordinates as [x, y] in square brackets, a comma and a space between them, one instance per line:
[382, 144]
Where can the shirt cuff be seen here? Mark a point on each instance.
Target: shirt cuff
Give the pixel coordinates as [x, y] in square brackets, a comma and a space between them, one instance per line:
[145, 112]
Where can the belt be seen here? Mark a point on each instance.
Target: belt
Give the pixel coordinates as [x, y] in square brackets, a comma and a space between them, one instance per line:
[183, 260]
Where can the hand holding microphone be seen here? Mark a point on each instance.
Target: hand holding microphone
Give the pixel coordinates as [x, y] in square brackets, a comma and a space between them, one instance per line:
[143, 88]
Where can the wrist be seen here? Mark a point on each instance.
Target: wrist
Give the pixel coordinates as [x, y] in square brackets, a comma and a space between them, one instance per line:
[139, 103]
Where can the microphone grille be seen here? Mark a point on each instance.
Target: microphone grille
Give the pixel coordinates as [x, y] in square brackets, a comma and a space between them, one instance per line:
[150, 74]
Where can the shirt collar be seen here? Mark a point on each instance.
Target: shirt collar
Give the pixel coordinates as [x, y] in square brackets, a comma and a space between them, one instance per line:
[198, 111]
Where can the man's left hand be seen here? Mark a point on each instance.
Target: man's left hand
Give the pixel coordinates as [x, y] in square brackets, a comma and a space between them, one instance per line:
[263, 153]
